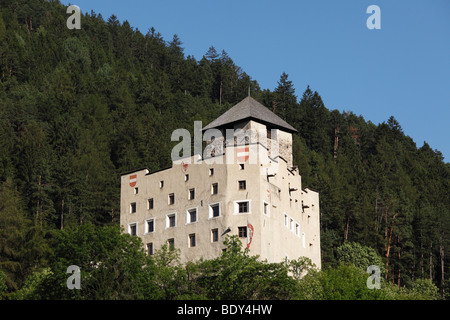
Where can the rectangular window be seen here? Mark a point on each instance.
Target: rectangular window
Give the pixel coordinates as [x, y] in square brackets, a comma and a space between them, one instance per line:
[269, 133]
[297, 229]
[191, 215]
[171, 198]
[211, 171]
[214, 210]
[161, 184]
[150, 203]
[171, 220]
[171, 244]
[243, 206]
[132, 229]
[291, 224]
[192, 240]
[150, 248]
[242, 231]
[150, 225]
[136, 190]
[215, 188]
[242, 185]
[214, 235]
[286, 221]
[241, 166]
[191, 195]
[133, 207]
[186, 177]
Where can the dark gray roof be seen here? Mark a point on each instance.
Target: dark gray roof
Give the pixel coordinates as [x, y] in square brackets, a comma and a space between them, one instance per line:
[249, 108]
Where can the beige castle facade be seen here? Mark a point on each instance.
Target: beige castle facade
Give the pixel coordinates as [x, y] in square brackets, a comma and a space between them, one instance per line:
[245, 187]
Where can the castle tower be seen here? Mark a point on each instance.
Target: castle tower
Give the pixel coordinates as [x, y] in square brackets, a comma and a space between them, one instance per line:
[246, 185]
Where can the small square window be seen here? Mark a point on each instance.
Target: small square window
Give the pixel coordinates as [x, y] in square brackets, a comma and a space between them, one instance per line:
[191, 195]
[242, 231]
[150, 203]
[214, 235]
[192, 240]
[133, 207]
[215, 188]
[243, 207]
[136, 190]
[242, 185]
[241, 166]
[171, 198]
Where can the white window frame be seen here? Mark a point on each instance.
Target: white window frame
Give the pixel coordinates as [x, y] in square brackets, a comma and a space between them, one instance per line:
[168, 220]
[286, 220]
[188, 215]
[297, 229]
[236, 206]
[210, 210]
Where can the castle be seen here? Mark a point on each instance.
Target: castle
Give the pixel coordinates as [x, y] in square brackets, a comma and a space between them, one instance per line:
[243, 184]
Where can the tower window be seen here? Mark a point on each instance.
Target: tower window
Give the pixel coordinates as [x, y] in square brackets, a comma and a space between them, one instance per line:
[191, 216]
[214, 235]
[242, 185]
[214, 188]
[242, 231]
[171, 198]
[191, 194]
[192, 240]
[132, 229]
[171, 220]
[150, 203]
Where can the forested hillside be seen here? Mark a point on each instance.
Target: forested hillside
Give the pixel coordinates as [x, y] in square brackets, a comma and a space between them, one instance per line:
[80, 107]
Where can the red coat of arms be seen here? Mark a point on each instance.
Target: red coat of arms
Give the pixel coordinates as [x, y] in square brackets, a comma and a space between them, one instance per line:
[242, 154]
[133, 180]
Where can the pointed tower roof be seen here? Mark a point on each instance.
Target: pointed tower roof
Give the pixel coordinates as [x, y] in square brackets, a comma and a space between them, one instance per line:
[249, 108]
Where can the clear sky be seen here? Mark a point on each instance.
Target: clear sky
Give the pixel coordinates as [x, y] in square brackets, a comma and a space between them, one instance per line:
[402, 69]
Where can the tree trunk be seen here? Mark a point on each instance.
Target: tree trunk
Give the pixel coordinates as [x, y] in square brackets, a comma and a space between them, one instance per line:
[62, 214]
[441, 253]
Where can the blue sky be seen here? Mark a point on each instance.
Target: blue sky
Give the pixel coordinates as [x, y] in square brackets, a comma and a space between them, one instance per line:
[403, 69]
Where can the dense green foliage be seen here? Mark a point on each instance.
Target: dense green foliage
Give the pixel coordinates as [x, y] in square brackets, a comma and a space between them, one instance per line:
[79, 107]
